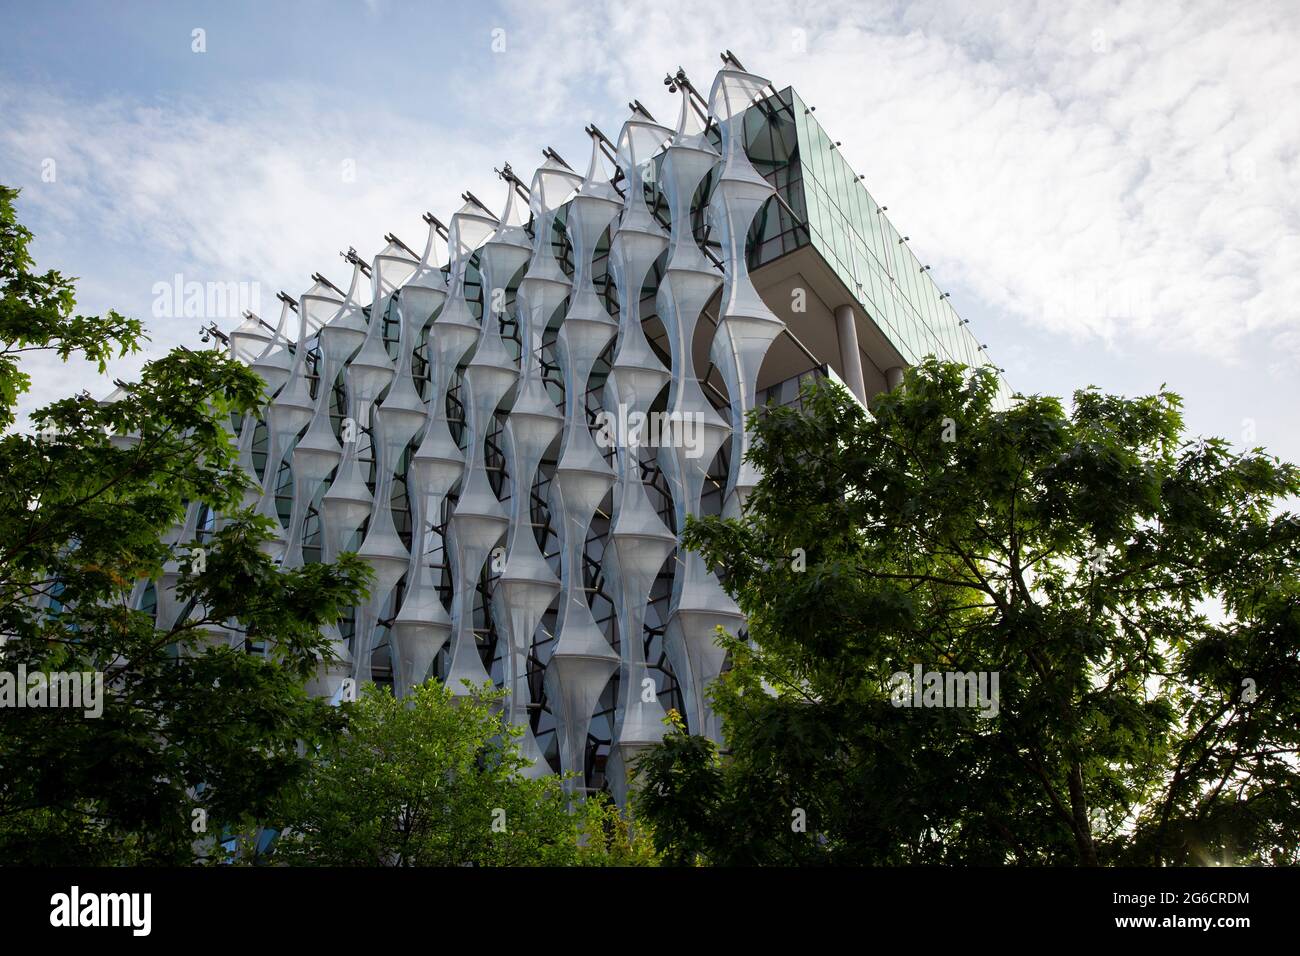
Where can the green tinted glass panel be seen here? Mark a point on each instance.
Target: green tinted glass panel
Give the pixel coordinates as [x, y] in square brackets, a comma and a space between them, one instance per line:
[839, 216]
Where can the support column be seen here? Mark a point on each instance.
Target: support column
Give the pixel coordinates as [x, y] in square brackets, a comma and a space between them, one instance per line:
[894, 377]
[850, 357]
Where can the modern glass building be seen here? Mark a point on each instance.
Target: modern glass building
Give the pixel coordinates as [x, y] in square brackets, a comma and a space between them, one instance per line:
[513, 424]
[828, 235]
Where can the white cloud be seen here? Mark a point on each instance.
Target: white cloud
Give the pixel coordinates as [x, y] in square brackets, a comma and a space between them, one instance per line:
[264, 197]
[1099, 170]
[1105, 172]
[269, 193]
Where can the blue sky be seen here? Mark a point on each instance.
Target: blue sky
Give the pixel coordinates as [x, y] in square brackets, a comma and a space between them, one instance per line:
[1110, 192]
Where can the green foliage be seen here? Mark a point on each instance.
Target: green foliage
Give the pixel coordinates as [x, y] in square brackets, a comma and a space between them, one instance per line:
[680, 785]
[435, 779]
[36, 314]
[607, 837]
[192, 720]
[1136, 592]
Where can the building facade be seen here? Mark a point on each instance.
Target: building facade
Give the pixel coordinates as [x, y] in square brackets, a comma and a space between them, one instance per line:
[512, 425]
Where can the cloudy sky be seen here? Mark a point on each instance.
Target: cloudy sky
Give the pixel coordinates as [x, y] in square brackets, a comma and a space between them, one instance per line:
[1111, 192]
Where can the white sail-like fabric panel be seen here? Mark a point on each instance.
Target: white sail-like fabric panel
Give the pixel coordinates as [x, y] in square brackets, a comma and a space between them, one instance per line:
[476, 421]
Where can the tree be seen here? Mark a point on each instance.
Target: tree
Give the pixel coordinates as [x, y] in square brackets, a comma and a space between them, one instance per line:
[681, 787]
[203, 716]
[1134, 591]
[435, 780]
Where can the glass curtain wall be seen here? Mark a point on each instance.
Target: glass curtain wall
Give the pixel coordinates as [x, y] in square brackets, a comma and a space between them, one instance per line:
[826, 204]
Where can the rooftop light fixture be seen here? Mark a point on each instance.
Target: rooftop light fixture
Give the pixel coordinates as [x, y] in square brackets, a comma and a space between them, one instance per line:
[210, 331]
[352, 258]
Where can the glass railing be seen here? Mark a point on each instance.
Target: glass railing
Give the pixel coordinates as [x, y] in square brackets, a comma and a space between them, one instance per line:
[823, 202]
